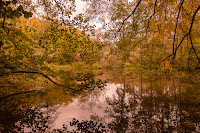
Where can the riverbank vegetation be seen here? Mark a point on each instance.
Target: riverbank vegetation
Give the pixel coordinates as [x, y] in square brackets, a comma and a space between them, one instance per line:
[43, 43]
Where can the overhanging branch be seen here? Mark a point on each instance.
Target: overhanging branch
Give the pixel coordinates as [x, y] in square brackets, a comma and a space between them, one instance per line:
[189, 32]
[179, 10]
[37, 73]
[15, 94]
[154, 12]
[129, 16]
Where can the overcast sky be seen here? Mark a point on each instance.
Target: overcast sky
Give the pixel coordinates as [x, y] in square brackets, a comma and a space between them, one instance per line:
[79, 7]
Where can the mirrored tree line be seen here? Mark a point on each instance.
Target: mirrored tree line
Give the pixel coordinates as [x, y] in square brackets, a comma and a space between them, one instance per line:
[154, 107]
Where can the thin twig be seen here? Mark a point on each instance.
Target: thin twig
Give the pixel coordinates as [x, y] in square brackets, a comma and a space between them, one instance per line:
[129, 16]
[194, 49]
[166, 58]
[154, 12]
[181, 3]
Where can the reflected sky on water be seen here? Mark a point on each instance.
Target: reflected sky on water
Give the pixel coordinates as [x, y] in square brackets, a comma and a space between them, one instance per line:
[135, 105]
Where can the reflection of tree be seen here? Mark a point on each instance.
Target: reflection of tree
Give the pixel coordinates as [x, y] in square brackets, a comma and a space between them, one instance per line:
[190, 105]
[79, 82]
[90, 100]
[160, 109]
[16, 114]
[36, 110]
[155, 106]
[90, 89]
[87, 126]
[119, 111]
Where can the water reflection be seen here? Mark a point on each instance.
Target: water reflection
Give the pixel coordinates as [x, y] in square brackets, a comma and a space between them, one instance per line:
[36, 111]
[162, 107]
[132, 105]
[17, 114]
[159, 109]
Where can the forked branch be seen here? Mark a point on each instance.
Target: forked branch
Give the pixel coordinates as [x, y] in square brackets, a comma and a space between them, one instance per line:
[189, 32]
[154, 12]
[179, 10]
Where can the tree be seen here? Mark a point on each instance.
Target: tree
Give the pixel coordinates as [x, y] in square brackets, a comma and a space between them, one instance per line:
[169, 24]
[12, 9]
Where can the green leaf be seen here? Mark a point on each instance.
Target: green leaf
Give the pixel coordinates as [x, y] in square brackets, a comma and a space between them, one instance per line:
[27, 14]
[20, 8]
[14, 1]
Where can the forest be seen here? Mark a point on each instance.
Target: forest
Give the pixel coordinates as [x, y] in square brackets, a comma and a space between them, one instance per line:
[50, 57]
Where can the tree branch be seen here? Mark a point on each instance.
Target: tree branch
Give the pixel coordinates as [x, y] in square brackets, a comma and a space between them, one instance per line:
[4, 19]
[37, 73]
[129, 16]
[194, 49]
[181, 3]
[154, 12]
[189, 32]
[15, 94]
[166, 58]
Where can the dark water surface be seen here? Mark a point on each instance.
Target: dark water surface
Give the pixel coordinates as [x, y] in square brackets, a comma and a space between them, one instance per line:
[126, 103]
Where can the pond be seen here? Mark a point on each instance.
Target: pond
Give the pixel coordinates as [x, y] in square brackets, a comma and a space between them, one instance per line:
[114, 101]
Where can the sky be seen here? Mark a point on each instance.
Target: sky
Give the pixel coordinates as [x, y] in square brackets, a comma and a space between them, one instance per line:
[79, 7]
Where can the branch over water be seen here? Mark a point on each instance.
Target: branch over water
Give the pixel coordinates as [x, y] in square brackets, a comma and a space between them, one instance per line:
[37, 73]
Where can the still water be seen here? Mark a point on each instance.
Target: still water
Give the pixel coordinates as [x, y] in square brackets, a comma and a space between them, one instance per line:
[124, 103]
